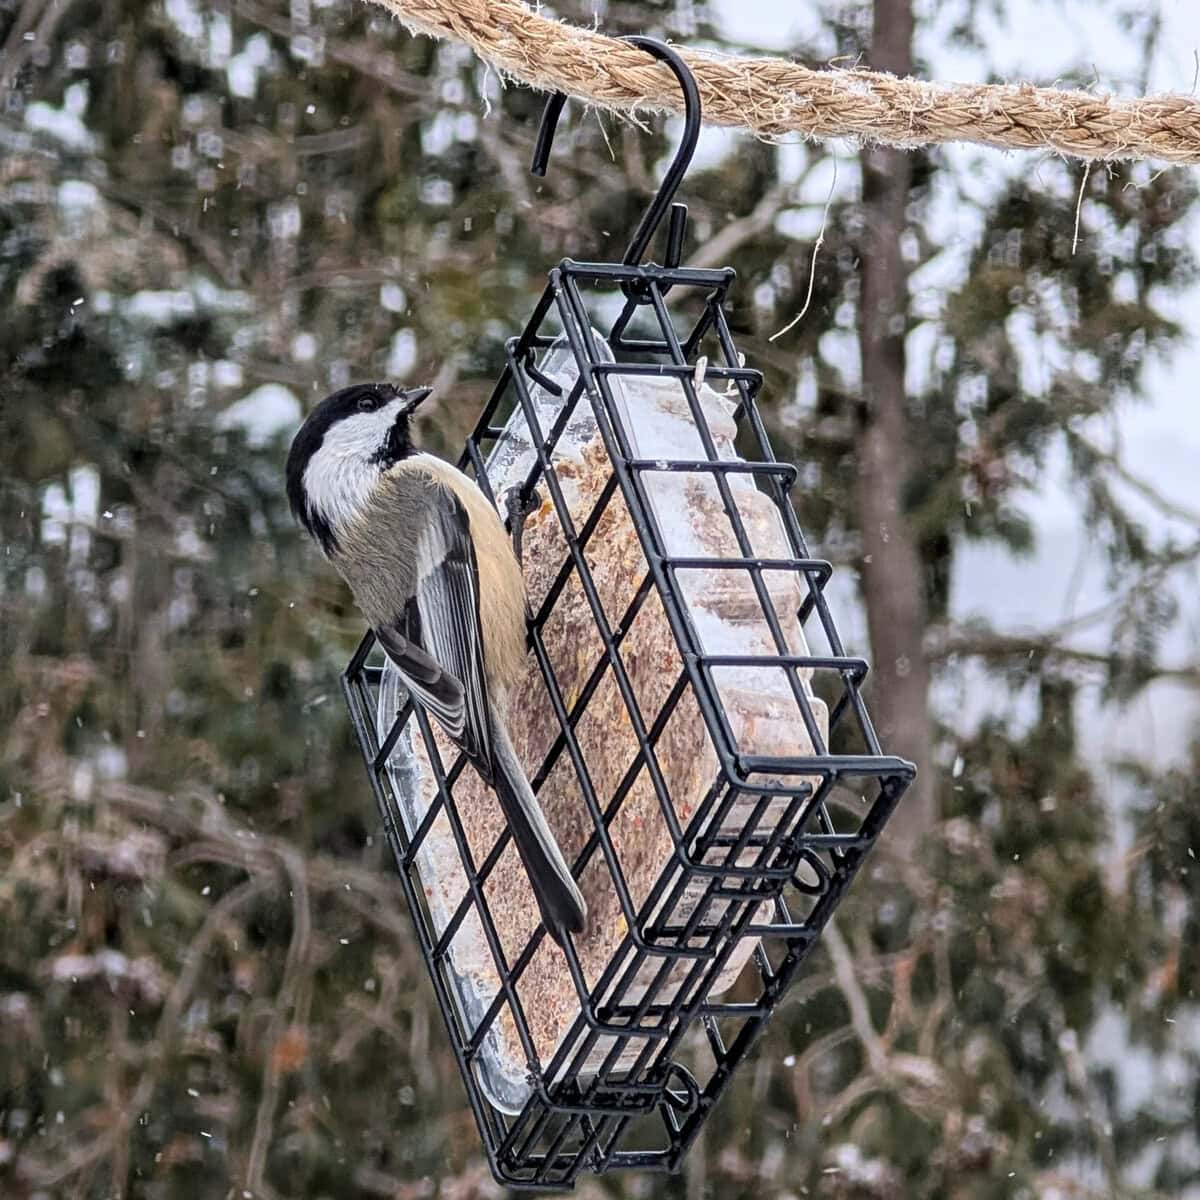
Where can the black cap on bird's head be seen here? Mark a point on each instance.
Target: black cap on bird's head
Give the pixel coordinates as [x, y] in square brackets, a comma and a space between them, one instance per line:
[349, 437]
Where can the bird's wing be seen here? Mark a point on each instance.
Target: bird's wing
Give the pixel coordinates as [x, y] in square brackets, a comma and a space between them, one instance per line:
[436, 642]
[438, 646]
[438, 691]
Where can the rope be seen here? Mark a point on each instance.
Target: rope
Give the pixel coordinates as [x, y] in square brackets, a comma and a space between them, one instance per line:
[772, 97]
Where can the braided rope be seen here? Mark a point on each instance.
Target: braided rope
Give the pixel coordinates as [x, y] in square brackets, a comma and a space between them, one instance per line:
[772, 97]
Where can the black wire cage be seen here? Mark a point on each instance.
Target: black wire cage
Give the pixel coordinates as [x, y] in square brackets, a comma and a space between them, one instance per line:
[699, 953]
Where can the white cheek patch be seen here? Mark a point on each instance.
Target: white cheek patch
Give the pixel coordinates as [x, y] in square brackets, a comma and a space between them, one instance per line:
[340, 476]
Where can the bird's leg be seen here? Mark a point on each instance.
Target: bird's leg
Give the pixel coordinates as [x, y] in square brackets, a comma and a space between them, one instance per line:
[518, 513]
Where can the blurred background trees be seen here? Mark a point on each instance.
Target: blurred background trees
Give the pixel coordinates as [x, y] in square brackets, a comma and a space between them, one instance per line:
[210, 215]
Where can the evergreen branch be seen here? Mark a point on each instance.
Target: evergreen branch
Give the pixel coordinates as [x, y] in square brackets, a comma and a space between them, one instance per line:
[46, 1174]
[1111, 461]
[378, 66]
[856, 1000]
[1043, 647]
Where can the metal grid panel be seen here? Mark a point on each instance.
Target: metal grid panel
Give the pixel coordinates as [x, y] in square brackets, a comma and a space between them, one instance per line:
[794, 853]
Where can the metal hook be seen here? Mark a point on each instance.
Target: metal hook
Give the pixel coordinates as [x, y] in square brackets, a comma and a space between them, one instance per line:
[675, 173]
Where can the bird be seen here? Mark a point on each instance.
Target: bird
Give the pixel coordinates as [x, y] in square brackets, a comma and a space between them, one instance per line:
[430, 566]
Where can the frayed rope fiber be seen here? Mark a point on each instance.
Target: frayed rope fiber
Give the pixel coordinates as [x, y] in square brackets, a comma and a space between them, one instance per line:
[772, 97]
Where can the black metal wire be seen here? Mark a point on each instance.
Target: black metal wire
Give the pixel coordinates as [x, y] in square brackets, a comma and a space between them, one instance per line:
[788, 854]
[662, 202]
[652, 218]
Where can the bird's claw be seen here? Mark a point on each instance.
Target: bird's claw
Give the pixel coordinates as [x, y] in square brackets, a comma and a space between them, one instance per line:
[519, 512]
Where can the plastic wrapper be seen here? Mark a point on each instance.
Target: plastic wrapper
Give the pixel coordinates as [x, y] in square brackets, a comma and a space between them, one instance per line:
[726, 612]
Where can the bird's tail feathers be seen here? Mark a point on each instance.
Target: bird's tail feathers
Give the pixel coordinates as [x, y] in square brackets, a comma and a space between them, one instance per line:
[562, 905]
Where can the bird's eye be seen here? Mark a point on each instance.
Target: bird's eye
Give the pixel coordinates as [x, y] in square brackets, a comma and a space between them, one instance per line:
[367, 403]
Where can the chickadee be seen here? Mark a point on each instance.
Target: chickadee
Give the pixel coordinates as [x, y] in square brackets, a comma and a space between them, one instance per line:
[430, 566]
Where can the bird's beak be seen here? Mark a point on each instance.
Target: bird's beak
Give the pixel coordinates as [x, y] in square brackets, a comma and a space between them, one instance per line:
[413, 398]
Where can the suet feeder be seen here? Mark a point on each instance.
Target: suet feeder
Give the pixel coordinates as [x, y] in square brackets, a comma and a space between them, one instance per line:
[675, 724]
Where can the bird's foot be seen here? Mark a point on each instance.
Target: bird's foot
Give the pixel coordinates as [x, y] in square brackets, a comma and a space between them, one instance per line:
[519, 512]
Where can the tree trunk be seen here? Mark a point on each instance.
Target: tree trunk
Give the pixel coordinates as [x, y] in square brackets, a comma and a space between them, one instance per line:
[892, 575]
